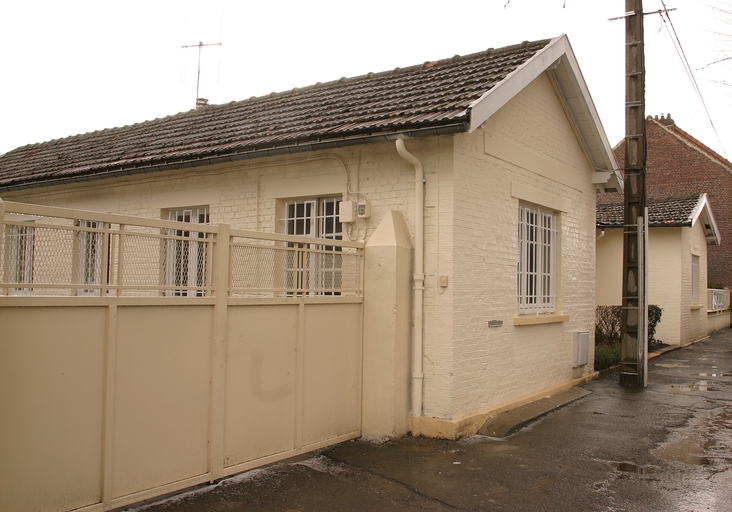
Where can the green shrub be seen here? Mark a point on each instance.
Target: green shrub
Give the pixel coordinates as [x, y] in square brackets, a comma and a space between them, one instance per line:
[607, 356]
[654, 317]
[607, 333]
[608, 323]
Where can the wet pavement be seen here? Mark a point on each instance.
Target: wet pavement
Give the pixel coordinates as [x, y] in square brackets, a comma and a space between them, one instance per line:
[668, 447]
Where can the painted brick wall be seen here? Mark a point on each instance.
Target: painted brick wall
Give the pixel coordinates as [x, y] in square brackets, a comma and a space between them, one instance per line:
[669, 278]
[693, 316]
[499, 365]
[666, 275]
[609, 264]
[679, 165]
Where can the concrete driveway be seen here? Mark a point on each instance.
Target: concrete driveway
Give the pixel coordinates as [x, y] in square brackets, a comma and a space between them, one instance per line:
[668, 447]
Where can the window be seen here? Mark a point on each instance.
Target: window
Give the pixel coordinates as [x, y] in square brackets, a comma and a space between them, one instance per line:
[185, 261]
[89, 268]
[21, 241]
[694, 280]
[321, 267]
[537, 260]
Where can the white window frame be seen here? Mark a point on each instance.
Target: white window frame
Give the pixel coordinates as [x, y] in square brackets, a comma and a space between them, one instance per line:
[316, 218]
[21, 249]
[180, 268]
[537, 265]
[89, 263]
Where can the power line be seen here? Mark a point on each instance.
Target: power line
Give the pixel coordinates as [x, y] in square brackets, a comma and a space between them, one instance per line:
[666, 18]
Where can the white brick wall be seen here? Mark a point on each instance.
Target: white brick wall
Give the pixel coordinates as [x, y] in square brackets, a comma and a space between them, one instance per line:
[669, 278]
[502, 364]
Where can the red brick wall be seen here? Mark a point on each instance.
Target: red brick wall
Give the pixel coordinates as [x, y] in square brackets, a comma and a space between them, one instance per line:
[679, 165]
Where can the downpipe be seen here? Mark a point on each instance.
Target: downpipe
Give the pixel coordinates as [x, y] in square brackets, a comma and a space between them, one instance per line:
[417, 348]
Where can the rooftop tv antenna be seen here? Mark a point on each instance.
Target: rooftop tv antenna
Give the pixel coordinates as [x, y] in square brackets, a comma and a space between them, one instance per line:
[200, 102]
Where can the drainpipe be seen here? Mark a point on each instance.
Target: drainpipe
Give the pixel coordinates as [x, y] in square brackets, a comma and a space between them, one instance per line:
[602, 233]
[417, 373]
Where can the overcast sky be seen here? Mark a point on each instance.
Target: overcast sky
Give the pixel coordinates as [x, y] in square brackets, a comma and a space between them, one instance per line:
[77, 66]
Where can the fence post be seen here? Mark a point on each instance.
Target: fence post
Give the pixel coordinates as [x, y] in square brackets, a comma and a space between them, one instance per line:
[3, 291]
[120, 259]
[220, 284]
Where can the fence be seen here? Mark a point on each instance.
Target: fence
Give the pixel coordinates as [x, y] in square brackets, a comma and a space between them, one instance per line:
[142, 356]
[48, 251]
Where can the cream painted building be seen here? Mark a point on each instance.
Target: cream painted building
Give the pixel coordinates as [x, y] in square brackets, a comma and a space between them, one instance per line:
[471, 181]
[680, 231]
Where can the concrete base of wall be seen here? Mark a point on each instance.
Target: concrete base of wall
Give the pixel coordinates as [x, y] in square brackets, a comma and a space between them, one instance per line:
[469, 425]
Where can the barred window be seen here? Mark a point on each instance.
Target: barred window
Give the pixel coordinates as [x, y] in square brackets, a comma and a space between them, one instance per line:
[322, 269]
[185, 260]
[536, 260]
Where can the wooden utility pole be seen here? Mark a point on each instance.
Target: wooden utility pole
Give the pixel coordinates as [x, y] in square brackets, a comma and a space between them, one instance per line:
[634, 338]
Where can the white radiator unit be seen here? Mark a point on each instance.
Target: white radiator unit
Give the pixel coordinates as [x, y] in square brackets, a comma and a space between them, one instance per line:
[581, 348]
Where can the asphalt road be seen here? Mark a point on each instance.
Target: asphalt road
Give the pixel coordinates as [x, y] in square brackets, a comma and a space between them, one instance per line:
[665, 448]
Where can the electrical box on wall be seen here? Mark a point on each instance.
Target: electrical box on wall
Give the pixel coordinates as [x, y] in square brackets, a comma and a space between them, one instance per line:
[363, 210]
[347, 212]
[581, 348]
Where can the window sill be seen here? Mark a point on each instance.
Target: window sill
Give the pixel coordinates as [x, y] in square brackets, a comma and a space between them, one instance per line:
[539, 319]
[694, 308]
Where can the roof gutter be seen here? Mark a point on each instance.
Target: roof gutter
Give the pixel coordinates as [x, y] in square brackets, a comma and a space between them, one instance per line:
[650, 225]
[245, 155]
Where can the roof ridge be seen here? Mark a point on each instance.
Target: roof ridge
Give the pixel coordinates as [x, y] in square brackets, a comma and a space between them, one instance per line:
[693, 141]
[490, 52]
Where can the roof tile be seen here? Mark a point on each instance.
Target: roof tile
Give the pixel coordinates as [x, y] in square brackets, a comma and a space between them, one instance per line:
[661, 212]
[428, 95]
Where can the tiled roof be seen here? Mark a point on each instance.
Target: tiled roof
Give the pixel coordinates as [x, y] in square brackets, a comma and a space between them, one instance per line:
[434, 97]
[661, 212]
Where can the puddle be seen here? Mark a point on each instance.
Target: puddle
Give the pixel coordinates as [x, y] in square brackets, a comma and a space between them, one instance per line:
[627, 467]
[705, 441]
[689, 450]
[702, 385]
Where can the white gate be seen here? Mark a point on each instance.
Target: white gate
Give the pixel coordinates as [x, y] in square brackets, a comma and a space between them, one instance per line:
[114, 391]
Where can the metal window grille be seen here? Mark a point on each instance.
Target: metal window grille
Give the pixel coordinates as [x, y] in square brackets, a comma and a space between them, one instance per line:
[185, 261]
[321, 267]
[89, 267]
[536, 262]
[21, 241]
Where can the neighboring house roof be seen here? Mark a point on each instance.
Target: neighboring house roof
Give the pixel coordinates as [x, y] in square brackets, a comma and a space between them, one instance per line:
[668, 123]
[443, 97]
[669, 212]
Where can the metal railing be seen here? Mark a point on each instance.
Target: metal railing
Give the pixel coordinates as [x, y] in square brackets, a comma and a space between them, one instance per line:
[718, 300]
[50, 251]
[266, 264]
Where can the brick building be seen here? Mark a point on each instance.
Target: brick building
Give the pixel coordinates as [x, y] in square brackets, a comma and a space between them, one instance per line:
[678, 165]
